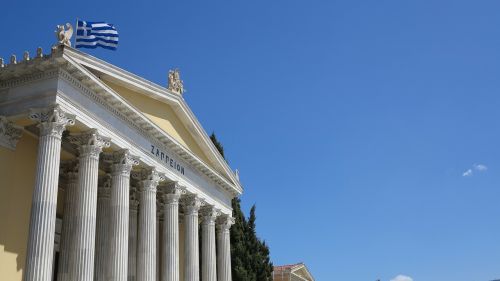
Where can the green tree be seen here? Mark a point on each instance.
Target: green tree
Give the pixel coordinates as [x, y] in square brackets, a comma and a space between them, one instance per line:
[217, 144]
[250, 258]
[249, 255]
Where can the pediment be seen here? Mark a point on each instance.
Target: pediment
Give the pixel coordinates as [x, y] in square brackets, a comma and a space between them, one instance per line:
[302, 271]
[167, 110]
[163, 115]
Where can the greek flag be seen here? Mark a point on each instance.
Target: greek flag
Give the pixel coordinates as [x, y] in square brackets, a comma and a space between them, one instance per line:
[96, 34]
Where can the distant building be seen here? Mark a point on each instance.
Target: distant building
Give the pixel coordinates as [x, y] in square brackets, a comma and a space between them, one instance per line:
[292, 272]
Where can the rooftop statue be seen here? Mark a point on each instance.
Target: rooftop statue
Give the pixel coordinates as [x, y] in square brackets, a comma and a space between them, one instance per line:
[63, 35]
[175, 83]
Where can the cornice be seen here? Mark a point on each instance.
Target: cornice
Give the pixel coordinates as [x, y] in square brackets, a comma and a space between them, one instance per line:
[30, 69]
[29, 78]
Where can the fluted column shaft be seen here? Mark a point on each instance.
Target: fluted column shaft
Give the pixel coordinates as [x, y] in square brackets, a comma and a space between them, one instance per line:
[146, 248]
[191, 243]
[81, 262]
[170, 236]
[118, 241]
[102, 229]
[71, 172]
[223, 248]
[208, 258]
[132, 237]
[159, 224]
[39, 256]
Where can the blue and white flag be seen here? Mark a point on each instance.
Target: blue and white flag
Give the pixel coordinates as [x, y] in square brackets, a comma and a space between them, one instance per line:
[96, 34]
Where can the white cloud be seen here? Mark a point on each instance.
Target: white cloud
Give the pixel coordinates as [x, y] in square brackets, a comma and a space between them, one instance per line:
[480, 167]
[475, 167]
[402, 278]
[467, 173]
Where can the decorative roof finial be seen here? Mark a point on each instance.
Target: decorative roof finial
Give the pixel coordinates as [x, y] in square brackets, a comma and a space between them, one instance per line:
[237, 174]
[54, 49]
[26, 56]
[63, 35]
[175, 83]
[39, 52]
[13, 59]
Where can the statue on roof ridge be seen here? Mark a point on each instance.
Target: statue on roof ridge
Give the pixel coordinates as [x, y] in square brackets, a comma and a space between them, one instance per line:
[64, 35]
[175, 83]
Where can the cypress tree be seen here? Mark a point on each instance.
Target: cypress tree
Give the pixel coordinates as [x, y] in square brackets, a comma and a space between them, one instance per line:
[217, 144]
[250, 258]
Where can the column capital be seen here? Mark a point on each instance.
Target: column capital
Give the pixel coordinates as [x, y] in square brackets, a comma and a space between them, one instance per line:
[224, 222]
[134, 201]
[10, 133]
[53, 120]
[159, 210]
[159, 203]
[104, 186]
[121, 161]
[172, 192]
[191, 204]
[149, 178]
[209, 214]
[90, 143]
[69, 169]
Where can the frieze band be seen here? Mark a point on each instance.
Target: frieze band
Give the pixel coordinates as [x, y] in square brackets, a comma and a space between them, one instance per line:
[169, 161]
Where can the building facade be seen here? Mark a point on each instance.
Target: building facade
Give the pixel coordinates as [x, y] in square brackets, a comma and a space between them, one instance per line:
[106, 176]
[292, 272]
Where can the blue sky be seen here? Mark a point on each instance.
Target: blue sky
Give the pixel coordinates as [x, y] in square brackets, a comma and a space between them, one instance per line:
[352, 122]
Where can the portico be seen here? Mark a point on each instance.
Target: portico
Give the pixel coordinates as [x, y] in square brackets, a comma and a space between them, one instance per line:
[131, 152]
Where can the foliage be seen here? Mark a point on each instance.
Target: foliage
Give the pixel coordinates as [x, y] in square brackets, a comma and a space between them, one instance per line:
[217, 144]
[249, 255]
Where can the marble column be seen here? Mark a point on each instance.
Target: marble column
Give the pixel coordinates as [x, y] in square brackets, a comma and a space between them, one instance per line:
[81, 259]
[146, 248]
[39, 262]
[170, 234]
[132, 236]
[69, 169]
[119, 219]
[224, 223]
[208, 256]
[159, 223]
[191, 205]
[102, 228]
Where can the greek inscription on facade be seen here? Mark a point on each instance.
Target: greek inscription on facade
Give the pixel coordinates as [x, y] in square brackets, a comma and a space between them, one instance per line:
[167, 160]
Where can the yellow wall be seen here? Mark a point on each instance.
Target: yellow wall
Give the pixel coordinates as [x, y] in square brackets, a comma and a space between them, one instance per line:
[17, 170]
[162, 115]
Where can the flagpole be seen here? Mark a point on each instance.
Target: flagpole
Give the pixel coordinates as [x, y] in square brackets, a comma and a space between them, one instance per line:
[76, 31]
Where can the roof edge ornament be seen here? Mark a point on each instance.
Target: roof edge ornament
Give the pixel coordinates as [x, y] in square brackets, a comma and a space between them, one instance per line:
[175, 84]
[237, 174]
[64, 34]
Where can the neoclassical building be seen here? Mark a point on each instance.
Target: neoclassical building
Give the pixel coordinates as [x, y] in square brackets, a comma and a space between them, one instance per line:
[292, 272]
[105, 175]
